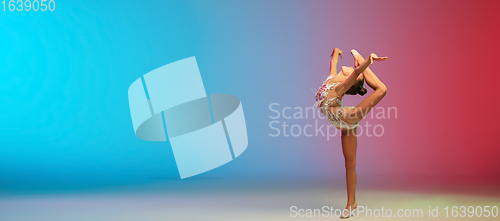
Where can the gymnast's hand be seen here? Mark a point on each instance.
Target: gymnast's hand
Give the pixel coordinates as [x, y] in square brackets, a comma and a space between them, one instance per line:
[338, 51]
[374, 57]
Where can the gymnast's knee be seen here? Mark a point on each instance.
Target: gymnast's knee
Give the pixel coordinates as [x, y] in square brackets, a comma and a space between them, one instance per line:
[383, 90]
[350, 164]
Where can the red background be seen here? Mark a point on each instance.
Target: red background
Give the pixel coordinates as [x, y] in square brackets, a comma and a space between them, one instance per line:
[441, 76]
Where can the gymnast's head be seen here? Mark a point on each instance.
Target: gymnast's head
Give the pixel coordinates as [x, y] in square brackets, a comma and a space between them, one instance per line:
[357, 87]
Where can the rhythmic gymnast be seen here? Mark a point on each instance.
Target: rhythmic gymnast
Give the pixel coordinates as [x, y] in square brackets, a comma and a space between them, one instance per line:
[345, 118]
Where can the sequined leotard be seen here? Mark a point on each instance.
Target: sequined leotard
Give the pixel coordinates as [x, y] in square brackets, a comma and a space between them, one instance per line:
[332, 108]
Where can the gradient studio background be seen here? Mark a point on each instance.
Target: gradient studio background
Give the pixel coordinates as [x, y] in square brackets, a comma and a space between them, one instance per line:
[65, 121]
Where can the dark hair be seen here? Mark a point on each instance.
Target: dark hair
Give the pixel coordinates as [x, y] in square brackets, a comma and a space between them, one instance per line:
[357, 88]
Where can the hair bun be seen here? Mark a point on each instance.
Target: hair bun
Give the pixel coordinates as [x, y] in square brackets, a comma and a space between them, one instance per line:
[362, 91]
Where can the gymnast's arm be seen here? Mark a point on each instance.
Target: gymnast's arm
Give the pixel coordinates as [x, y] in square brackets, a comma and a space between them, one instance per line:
[344, 86]
[335, 59]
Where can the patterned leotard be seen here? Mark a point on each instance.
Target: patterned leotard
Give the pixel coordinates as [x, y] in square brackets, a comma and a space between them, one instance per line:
[332, 108]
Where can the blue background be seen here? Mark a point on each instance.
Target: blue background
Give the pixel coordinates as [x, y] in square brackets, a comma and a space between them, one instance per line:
[64, 113]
